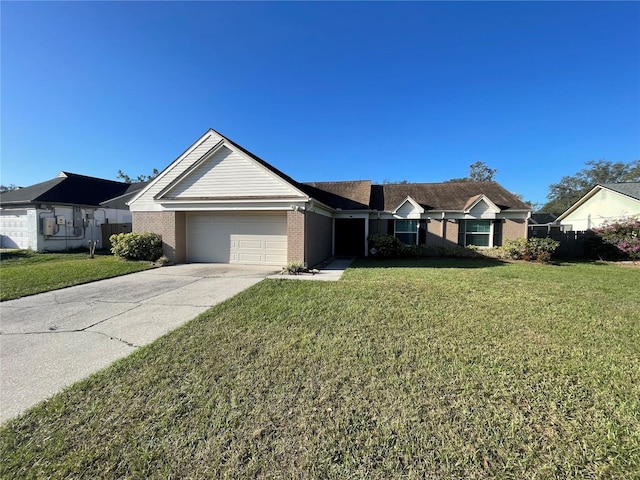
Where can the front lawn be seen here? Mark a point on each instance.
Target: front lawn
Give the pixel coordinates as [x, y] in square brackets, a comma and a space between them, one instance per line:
[24, 272]
[448, 369]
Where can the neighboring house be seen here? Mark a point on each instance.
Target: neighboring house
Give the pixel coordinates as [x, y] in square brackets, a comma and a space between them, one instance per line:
[217, 202]
[603, 203]
[542, 224]
[64, 212]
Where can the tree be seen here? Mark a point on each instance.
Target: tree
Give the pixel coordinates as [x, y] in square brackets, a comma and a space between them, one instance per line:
[478, 172]
[7, 188]
[571, 188]
[140, 178]
[386, 181]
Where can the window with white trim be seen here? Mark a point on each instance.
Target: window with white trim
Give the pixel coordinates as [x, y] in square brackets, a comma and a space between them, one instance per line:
[406, 231]
[477, 232]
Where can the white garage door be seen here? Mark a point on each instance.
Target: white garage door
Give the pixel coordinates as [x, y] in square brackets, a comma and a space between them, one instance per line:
[13, 230]
[237, 238]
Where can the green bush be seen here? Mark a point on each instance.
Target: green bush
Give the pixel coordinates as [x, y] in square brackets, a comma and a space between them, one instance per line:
[534, 249]
[385, 246]
[388, 246]
[136, 246]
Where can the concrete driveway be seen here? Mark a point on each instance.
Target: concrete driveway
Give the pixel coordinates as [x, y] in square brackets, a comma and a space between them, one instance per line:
[51, 340]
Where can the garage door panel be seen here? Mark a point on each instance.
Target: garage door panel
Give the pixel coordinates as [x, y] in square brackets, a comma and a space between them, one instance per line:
[250, 239]
[14, 232]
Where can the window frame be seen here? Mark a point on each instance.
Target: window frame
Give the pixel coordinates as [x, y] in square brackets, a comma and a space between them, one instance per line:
[414, 232]
[488, 233]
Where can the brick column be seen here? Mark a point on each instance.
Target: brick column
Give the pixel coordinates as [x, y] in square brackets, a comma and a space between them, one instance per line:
[170, 225]
[295, 236]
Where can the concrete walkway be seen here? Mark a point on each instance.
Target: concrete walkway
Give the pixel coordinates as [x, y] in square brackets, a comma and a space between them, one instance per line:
[330, 273]
[51, 340]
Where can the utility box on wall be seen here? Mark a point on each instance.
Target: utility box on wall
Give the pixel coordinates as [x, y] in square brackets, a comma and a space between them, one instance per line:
[49, 226]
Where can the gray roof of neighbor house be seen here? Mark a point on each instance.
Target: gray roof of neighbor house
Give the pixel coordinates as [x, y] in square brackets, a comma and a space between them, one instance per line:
[542, 218]
[631, 189]
[67, 189]
[445, 196]
[121, 201]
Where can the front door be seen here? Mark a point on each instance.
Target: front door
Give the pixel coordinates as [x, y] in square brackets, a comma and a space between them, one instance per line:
[349, 236]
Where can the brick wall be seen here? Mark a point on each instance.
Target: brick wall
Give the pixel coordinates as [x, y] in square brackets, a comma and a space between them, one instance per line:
[434, 233]
[295, 236]
[170, 225]
[451, 233]
[513, 229]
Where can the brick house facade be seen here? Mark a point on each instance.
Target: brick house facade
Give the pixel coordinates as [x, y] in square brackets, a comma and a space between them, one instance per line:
[219, 202]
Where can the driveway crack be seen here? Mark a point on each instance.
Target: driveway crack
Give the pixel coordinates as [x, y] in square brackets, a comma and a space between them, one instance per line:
[111, 337]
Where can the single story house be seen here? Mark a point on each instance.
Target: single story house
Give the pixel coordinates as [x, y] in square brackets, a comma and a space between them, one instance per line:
[64, 212]
[218, 202]
[602, 204]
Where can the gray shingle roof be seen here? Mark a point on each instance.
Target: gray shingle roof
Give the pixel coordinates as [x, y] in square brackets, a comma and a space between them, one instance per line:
[631, 189]
[66, 189]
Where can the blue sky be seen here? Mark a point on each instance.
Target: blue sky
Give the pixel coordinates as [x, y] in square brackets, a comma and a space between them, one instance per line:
[323, 91]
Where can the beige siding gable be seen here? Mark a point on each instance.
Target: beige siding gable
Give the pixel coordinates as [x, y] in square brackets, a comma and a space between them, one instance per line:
[480, 210]
[229, 174]
[145, 200]
[409, 208]
[211, 168]
[481, 207]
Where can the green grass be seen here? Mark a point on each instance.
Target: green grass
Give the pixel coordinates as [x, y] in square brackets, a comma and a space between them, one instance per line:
[24, 272]
[457, 369]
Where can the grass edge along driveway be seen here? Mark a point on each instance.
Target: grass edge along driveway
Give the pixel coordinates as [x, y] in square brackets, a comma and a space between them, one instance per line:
[456, 369]
[25, 272]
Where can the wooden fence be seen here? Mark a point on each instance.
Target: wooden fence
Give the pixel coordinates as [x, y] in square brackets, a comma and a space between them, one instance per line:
[572, 244]
[109, 229]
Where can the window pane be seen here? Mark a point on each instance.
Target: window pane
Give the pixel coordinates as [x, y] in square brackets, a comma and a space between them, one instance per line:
[480, 240]
[406, 225]
[407, 238]
[480, 226]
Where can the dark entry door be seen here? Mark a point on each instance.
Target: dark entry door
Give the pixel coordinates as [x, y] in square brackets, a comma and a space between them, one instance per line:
[350, 237]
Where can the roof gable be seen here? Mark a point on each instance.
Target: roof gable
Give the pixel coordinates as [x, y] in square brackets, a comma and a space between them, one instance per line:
[205, 171]
[408, 208]
[479, 205]
[630, 190]
[225, 173]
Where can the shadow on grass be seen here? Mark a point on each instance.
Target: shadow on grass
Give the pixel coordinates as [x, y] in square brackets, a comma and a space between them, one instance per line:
[435, 262]
[17, 255]
[14, 254]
